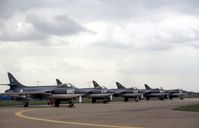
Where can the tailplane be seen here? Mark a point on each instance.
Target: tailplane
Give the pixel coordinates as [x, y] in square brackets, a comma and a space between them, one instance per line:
[147, 87]
[119, 86]
[13, 82]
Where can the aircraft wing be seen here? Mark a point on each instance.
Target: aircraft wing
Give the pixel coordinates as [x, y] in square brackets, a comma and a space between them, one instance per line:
[65, 96]
[132, 94]
[42, 91]
[178, 94]
[32, 95]
[29, 94]
[101, 95]
[158, 94]
[119, 91]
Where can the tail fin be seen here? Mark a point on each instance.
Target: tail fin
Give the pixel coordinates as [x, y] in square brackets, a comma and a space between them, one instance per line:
[146, 86]
[96, 85]
[58, 82]
[13, 82]
[119, 86]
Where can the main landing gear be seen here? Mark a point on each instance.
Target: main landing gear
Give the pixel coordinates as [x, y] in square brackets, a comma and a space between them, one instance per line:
[126, 99]
[161, 98]
[105, 100]
[57, 103]
[71, 104]
[26, 104]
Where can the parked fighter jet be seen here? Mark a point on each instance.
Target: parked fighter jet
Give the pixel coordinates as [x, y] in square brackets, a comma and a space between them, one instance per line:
[154, 92]
[176, 93]
[96, 93]
[56, 93]
[127, 92]
[85, 90]
[100, 93]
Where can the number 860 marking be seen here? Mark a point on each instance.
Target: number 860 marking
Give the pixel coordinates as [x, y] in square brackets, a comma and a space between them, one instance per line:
[70, 91]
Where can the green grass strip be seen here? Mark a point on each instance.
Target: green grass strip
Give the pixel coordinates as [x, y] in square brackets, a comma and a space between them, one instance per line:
[190, 108]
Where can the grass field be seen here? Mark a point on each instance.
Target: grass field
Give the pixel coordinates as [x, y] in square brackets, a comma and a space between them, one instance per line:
[191, 108]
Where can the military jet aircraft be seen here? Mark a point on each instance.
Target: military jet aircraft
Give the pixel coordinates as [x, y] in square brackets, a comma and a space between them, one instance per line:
[154, 92]
[176, 93]
[100, 93]
[85, 90]
[56, 93]
[128, 92]
[96, 93]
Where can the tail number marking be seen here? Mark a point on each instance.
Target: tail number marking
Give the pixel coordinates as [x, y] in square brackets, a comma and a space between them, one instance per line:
[104, 91]
[135, 91]
[70, 91]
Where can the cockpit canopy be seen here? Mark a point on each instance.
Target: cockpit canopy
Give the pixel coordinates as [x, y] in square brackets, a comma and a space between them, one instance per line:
[63, 85]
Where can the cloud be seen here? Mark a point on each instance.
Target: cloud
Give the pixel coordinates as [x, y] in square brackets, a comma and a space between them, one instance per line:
[103, 40]
[29, 34]
[16, 29]
[9, 8]
[35, 28]
[172, 30]
[149, 23]
[59, 25]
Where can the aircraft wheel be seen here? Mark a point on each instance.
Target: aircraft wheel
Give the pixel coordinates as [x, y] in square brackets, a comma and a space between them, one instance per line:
[136, 99]
[105, 101]
[170, 98]
[25, 104]
[161, 97]
[93, 100]
[126, 99]
[147, 98]
[57, 102]
[182, 98]
[71, 104]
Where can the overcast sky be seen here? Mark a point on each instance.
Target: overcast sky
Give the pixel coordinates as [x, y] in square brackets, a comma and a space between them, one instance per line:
[129, 41]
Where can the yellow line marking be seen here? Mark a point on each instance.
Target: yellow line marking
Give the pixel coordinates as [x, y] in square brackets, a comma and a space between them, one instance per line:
[21, 115]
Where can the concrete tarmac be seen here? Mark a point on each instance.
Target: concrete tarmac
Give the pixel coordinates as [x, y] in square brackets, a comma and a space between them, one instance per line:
[143, 114]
